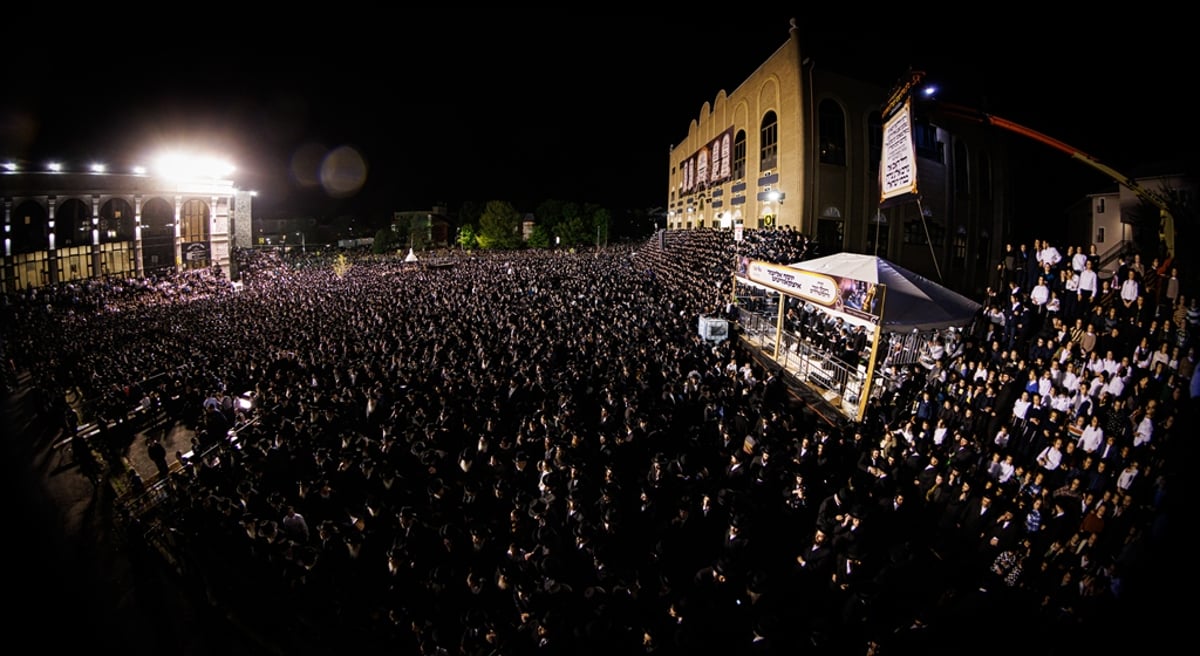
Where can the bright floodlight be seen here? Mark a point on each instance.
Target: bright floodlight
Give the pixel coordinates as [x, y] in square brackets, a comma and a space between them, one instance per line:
[10, 166]
[181, 166]
[55, 166]
[139, 170]
[97, 168]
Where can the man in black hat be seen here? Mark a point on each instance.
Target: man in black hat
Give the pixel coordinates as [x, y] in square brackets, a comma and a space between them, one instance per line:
[832, 510]
[849, 534]
[814, 563]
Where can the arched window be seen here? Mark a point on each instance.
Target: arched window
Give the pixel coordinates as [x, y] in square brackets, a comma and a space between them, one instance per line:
[769, 133]
[832, 133]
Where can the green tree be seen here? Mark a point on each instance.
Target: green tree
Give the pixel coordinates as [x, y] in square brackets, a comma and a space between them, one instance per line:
[386, 241]
[466, 237]
[549, 214]
[573, 231]
[1148, 224]
[419, 236]
[341, 266]
[539, 238]
[499, 226]
[469, 213]
[601, 221]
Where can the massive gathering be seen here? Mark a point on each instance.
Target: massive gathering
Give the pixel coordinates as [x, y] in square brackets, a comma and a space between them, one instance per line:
[536, 452]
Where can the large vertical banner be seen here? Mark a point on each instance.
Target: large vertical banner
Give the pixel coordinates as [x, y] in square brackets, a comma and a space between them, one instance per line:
[711, 165]
[898, 164]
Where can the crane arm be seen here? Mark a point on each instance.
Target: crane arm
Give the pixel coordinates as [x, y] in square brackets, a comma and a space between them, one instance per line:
[1167, 227]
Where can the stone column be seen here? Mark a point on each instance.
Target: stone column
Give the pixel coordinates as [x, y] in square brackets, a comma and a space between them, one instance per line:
[138, 264]
[51, 251]
[97, 257]
[178, 233]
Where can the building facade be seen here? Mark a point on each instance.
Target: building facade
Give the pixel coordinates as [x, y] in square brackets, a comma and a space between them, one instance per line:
[1114, 220]
[63, 226]
[423, 229]
[798, 146]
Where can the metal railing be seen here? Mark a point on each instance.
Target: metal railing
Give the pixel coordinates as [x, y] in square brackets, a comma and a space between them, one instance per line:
[838, 382]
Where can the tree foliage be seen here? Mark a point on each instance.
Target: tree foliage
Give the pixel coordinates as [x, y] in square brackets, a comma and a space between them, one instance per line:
[341, 265]
[499, 226]
[466, 237]
[539, 237]
[469, 213]
[386, 241]
[1148, 223]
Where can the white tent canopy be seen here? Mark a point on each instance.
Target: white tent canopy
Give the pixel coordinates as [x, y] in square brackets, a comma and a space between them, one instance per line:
[912, 301]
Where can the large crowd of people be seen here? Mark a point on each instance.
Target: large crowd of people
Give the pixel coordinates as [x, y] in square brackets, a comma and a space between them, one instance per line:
[536, 452]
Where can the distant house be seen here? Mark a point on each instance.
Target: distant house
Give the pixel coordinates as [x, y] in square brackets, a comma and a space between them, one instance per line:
[423, 229]
[528, 222]
[1108, 219]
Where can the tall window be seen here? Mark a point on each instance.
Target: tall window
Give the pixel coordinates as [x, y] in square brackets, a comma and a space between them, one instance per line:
[960, 248]
[832, 133]
[739, 155]
[194, 221]
[769, 155]
[914, 232]
[925, 141]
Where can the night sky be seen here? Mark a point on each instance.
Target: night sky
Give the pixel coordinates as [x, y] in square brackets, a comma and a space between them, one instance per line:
[517, 105]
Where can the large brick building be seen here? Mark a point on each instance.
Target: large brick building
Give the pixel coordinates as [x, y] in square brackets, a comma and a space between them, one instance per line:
[799, 146]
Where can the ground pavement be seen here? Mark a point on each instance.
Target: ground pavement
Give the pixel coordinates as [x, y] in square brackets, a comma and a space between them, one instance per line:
[78, 584]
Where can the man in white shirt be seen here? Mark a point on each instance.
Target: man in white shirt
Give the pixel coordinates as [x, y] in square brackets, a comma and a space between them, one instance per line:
[1049, 255]
[1092, 437]
[1130, 290]
[1070, 295]
[1051, 456]
[1061, 401]
[1089, 283]
[1144, 430]
[1070, 379]
[1116, 385]
[1002, 437]
[1126, 477]
[1007, 467]
[1079, 260]
[1039, 295]
[1110, 362]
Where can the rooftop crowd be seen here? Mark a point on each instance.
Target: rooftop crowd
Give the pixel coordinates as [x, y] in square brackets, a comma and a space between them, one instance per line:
[535, 452]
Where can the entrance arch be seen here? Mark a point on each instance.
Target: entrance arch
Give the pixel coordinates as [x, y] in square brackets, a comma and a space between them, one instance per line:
[158, 236]
[194, 222]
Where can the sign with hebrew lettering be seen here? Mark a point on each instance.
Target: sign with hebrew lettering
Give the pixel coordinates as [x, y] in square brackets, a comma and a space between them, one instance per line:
[858, 298]
[898, 162]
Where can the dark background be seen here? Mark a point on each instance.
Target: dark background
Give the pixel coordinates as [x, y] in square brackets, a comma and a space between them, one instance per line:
[521, 105]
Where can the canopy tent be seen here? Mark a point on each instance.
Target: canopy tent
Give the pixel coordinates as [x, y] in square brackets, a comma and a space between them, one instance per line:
[911, 302]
